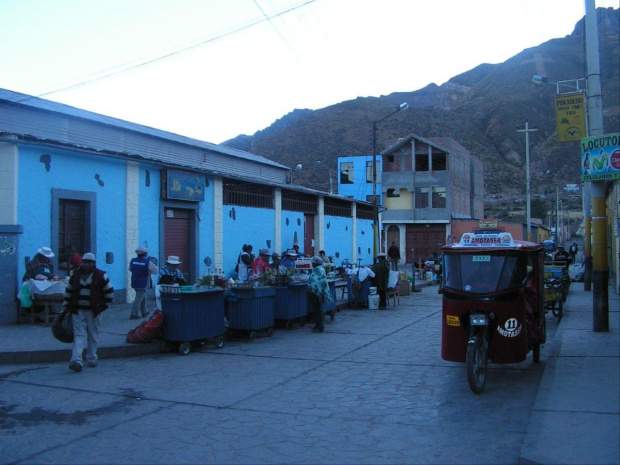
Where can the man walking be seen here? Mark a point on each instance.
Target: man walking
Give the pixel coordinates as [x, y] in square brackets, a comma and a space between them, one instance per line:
[88, 293]
[382, 279]
[141, 270]
[394, 254]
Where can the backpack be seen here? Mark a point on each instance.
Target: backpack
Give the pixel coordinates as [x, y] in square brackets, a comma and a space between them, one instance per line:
[147, 330]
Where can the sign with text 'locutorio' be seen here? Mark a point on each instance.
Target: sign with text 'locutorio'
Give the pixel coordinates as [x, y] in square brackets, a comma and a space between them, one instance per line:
[600, 158]
[570, 117]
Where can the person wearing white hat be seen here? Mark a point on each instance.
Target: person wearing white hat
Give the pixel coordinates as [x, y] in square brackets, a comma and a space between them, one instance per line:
[170, 273]
[141, 268]
[289, 259]
[41, 266]
[88, 293]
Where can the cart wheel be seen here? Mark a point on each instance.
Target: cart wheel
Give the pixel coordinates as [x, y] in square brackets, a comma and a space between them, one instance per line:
[185, 348]
[252, 335]
[556, 304]
[219, 342]
[476, 361]
[165, 347]
[302, 321]
[332, 314]
[269, 332]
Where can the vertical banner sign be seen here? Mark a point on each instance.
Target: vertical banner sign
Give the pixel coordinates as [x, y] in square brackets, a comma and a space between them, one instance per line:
[570, 117]
[600, 158]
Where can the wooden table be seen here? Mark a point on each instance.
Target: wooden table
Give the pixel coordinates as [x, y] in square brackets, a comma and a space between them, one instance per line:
[48, 294]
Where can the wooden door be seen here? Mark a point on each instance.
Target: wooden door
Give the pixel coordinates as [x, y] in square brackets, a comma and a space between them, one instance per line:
[309, 236]
[423, 240]
[176, 237]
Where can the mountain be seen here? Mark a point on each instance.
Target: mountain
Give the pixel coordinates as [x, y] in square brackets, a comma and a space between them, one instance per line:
[481, 109]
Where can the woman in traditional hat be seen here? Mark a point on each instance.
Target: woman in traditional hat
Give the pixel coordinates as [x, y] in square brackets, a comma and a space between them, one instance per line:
[260, 264]
[41, 266]
[170, 273]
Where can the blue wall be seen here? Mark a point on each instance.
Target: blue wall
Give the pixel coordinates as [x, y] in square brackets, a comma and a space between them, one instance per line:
[364, 241]
[338, 238]
[245, 225]
[292, 222]
[44, 168]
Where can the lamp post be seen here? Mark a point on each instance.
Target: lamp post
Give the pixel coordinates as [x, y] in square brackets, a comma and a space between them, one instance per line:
[375, 228]
[331, 185]
[528, 208]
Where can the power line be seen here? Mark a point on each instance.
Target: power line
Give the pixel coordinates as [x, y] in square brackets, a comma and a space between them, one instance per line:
[128, 66]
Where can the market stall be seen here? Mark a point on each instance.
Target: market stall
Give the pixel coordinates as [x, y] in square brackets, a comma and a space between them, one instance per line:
[192, 315]
[250, 308]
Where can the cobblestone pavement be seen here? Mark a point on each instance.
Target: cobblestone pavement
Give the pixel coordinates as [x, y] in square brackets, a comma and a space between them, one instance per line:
[371, 389]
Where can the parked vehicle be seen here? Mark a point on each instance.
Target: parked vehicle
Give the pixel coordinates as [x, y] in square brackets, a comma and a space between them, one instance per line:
[493, 307]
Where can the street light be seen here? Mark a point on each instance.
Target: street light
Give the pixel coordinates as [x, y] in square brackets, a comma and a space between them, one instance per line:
[569, 86]
[331, 185]
[528, 209]
[402, 106]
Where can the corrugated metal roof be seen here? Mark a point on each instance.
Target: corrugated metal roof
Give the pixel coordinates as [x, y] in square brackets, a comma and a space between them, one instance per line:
[17, 98]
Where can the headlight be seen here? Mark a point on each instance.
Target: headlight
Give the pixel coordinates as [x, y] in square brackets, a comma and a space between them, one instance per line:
[478, 319]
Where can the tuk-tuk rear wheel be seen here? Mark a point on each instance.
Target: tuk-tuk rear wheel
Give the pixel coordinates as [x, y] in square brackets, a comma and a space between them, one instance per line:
[476, 361]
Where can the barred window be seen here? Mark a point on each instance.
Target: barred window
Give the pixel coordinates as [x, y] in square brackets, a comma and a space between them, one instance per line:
[421, 197]
[247, 194]
[439, 197]
[299, 202]
[365, 212]
[337, 207]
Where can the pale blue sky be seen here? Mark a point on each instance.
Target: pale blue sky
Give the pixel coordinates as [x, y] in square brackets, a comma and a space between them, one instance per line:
[250, 71]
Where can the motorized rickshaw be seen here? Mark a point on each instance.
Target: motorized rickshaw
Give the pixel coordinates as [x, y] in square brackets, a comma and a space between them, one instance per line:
[493, 307]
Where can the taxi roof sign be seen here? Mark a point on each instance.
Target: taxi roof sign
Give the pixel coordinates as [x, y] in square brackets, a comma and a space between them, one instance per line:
[502, 239]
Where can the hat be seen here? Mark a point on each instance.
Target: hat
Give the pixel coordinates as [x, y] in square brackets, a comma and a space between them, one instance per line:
[141, 250]
[275, 255]
[291, 253]
[89, 256]
[264, 252]
[46, 252]
[173, 260]
[381, 255]
[317, 260]
[76, 260]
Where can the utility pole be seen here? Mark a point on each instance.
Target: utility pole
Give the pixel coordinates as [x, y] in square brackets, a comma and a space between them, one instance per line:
[600, 269]
[528, 208]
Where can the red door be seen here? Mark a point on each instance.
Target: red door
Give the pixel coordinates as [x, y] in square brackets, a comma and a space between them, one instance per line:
[176, 237]
[423, 240]
[309, 235]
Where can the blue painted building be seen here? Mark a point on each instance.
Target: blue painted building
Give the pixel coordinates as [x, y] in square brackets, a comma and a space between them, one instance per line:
[81, 182]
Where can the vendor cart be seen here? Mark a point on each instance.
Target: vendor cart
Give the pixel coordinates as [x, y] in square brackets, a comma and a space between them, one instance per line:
[192, 316]
[250, 309]
[291, 303]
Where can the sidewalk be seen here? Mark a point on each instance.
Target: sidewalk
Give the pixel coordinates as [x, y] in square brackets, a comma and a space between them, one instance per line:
[28, 343]
[576, 416]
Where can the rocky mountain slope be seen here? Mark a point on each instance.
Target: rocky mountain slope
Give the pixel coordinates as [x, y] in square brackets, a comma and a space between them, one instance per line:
[481, 109]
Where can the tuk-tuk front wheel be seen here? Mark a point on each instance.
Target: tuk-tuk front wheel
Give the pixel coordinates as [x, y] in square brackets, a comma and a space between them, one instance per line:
[476, 361]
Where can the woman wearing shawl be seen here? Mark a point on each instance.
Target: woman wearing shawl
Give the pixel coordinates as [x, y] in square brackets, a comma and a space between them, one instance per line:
[318, 292]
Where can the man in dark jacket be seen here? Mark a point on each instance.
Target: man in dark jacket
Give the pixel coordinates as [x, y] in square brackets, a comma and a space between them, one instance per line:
[394, 254]
[88, 293]
[382, 279]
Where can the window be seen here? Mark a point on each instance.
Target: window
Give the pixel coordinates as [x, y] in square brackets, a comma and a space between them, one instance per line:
[421, 197]
[393, 193]
[247, 194]
[421, 162]
[369, 177]
[439, 197]
[346, 172]
[440, 162]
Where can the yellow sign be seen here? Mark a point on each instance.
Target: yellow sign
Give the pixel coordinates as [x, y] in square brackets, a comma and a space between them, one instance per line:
[570, 117]
[453, 320]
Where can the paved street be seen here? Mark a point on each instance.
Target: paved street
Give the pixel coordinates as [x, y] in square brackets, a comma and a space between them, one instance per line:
[372, 389]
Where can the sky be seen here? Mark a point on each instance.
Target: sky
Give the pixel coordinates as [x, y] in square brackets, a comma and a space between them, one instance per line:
[215, 69]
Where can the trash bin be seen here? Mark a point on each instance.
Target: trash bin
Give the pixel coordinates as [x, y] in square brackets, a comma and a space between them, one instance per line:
[192, 316]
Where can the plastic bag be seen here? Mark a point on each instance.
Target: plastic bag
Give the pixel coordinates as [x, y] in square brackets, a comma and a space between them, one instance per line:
[62, 327]
[25, 296]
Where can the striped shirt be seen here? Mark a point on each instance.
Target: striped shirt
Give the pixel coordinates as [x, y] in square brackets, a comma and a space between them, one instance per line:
[84, 302]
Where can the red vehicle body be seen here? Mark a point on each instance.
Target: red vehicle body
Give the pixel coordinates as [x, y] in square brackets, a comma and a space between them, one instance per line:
[493, 302]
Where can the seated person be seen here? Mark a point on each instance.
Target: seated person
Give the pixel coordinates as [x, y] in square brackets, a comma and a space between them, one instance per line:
[289, 259]
[327, 264]
[41, 266]
[260, 265]
[170, 273]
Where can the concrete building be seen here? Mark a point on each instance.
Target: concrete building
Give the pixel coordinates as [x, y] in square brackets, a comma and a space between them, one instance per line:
[81, 182]
[422, 186]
